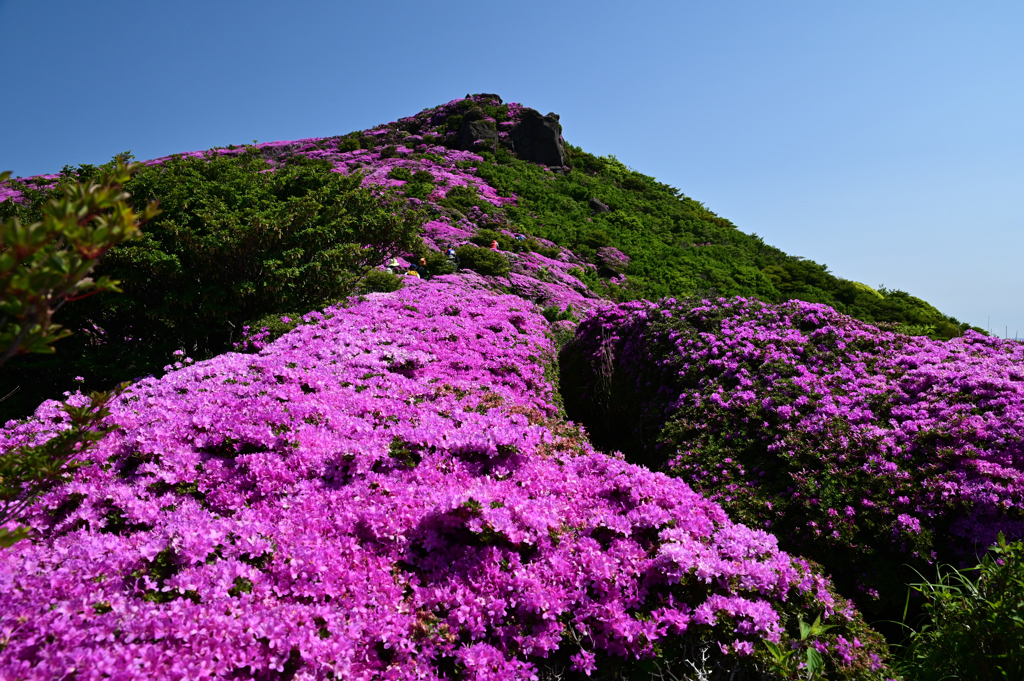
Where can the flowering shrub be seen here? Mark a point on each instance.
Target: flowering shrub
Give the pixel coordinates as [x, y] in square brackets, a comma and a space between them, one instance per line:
[613, 259]
[862, 449]
[383, 493]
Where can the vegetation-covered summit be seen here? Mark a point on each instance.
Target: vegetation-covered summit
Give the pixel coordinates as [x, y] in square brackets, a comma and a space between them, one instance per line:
[281, 227]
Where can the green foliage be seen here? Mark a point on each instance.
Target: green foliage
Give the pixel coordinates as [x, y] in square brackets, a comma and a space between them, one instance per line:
[438, 263]
[378, 281]
[482, 260]
[46, 263]
[464, 199]
[553, 314]
[485, 237]
[419, 186]
[400, 173]
[28, 471]
[973, 622]
[237, 239]
[678, 247]
[274, 325]
[786, 660]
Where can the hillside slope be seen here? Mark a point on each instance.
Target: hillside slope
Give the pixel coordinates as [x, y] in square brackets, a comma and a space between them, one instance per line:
[385, 492]
[323, 469]
[236, 243]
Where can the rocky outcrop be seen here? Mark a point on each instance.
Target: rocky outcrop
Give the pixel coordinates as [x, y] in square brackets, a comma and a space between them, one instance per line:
[476, 126]
[538, 138]
[598, 206]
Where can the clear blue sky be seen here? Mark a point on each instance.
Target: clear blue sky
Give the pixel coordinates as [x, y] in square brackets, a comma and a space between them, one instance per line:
[884, 139]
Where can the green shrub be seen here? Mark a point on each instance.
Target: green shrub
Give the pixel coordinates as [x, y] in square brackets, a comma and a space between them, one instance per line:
[379, 281]
[27, 472]
[348, 143]
[482, 260]
[484, 238]
[400, 173]
[553, 314]
[438, 263]
[678, 247]
[45, 263]
[548, 252]
[453, 123]
[272, 326]
[464, 199]
[233, 243]
[973, 623]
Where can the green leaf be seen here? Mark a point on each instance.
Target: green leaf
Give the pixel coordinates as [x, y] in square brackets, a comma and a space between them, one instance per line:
[9, 538]
[815, 663]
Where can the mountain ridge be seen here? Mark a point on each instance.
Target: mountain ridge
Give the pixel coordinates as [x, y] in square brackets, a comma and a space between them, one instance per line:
[456, 168]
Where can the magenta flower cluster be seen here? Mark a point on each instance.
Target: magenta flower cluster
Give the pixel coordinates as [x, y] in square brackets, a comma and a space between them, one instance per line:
[383, 493]
[850, 442]
[613, 259]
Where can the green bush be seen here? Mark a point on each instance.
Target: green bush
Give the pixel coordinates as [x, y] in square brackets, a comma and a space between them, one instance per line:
[484, 238]
[400, 173]
[438, 263]
[348, 143]
[973, 622]
[553, 314]
[482, 260]
[379, 281]
[464, 199]
[233, 243]
[417, 190]
[269, 327]
[26, 472]
[45, 263]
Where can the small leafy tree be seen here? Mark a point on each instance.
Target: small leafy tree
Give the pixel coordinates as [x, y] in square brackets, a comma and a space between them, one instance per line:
[28, 471]
[45, 264]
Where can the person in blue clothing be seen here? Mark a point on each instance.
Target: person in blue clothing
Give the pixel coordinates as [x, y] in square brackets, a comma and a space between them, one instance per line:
[453, 258]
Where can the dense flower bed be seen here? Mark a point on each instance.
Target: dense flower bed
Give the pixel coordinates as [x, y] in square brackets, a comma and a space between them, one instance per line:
[384, 493]
[860, 448]
[614, 259]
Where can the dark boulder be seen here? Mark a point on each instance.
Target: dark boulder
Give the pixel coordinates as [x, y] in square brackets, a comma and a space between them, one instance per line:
[538, 138]
[598, 206]
[475, 127]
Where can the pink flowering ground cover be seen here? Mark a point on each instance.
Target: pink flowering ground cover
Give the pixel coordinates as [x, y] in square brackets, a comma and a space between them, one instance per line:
[863, 449]
[387, 492]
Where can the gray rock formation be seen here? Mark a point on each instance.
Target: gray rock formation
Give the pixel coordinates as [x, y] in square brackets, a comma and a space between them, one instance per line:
[476, 127]
[538, 138]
